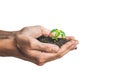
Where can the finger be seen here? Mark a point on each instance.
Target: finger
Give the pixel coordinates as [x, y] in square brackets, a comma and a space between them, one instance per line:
[51, 34]
[77, 42]
[67, 47]
[70, 38]
[35, 31]
[37, 45]
[45, 57]
[45, 31]
[27, 42]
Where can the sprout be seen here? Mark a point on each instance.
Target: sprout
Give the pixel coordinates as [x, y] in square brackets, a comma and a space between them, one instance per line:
[57, 33]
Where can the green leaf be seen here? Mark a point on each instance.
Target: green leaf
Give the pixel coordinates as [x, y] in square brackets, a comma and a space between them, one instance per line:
[63, 34]
[57, 34]
[53, 30]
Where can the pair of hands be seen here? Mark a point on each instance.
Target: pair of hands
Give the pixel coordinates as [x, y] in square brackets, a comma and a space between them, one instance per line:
[31, 49]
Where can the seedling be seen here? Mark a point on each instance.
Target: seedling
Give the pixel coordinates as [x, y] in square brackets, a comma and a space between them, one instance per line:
[57, 34]
[58, 38]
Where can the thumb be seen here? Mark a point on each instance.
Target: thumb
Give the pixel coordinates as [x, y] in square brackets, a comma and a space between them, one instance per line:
[47, 47]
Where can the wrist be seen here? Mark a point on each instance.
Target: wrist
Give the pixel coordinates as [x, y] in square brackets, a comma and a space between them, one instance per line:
[7, 34]
[7, 43]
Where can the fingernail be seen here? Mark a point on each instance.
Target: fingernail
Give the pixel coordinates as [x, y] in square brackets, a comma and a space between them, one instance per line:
[76, 48]
[73, 41]
[76, 42]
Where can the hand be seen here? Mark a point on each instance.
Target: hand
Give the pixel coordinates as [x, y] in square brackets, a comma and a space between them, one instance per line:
[37, 52]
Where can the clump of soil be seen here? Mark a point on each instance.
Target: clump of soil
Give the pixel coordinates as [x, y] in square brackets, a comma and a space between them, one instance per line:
[59, 41]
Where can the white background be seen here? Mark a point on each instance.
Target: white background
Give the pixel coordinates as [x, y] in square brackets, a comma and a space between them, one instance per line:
[95, 23]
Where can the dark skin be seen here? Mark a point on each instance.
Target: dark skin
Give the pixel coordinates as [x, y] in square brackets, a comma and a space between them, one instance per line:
[23, 44]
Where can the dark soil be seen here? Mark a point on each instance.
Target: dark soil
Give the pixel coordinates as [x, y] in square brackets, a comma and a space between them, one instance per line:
[59, 41]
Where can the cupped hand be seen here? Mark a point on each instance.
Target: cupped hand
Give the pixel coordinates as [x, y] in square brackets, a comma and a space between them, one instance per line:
[37, 52]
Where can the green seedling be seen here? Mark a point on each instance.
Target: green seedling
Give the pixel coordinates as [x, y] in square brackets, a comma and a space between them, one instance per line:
[57, 34]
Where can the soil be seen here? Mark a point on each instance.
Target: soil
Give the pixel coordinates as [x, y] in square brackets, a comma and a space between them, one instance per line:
[59, 41]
